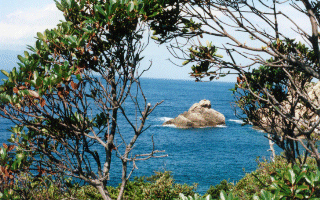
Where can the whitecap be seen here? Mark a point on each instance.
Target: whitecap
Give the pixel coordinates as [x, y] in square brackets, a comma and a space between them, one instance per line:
[170, 125]
[164, 119]
[218, 126]
[238, 121]
[259, 130]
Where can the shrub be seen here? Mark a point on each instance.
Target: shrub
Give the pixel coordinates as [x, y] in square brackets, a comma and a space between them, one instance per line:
[254, 182]
[278, 180]
[159, 186]
[195, 197]
[163, 187]
[214, 191]
[296, 183]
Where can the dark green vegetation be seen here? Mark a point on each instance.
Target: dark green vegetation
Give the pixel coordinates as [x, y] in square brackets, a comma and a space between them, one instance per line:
[159, 186]
[49, 96]
[272, 180]
[271, 176]
[68, 91]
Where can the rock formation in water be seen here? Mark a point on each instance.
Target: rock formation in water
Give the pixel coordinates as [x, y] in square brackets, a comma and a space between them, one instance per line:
[199, 115]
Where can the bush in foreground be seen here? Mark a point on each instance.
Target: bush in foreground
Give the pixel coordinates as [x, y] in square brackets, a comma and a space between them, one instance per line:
[159, 186]
[272, 180]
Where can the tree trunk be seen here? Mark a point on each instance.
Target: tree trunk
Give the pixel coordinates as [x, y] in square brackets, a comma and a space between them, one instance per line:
[103, 192]
[273, 153]
[124, 180]
[315, 151]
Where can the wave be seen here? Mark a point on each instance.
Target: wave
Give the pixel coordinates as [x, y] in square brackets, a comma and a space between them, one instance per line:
[173, 126]
[258, 129]
[238, 121]
[164, 119]
[221, 126]
[169, 125]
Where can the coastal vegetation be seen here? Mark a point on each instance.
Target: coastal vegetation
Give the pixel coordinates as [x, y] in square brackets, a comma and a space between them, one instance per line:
[271, 180]
[69, 90]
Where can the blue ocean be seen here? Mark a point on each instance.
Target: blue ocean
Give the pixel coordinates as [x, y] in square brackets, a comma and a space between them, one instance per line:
[205, 156]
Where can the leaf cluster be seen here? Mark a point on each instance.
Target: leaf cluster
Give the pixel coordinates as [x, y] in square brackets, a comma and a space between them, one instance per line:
[295, 183]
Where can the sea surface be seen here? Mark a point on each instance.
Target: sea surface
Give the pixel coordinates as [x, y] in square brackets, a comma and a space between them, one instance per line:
[206, 155]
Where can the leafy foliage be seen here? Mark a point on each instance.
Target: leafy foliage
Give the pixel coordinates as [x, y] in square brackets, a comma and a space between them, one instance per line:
[138, 189]
[296, 183]
[278, 180]
[55, 96]
[163, 187]
[195, 197]
[158, 186]
[215, 191]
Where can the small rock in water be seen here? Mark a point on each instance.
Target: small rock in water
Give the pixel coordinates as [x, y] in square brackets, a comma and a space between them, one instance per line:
[199, 115]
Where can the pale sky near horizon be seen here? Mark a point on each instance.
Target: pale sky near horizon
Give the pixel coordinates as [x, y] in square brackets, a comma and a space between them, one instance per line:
[20, 20]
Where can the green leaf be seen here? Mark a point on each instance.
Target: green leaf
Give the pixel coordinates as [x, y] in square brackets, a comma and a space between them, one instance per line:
[72, 39]
[35, 75]
[185, 62]
[301, 188]
[223, 195]
[86, 30]
[208, 197]
[266, 195]
[255, 197]
[100, 10]
[38, 44]
[299, 196]
[310, 179]
[39, 81]
[59, 6]
[3, 153]
[154, 37]
[291, 176]
[5, 73]
[64, 3]
[317, 176]
[26, 54]
[31, 48]
[301, 175]
[183, 197]
[22, 59]
[69, 3]
[40, 36]
[131, 6]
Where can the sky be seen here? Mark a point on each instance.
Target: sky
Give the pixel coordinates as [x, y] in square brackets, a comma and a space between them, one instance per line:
[20, 20]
